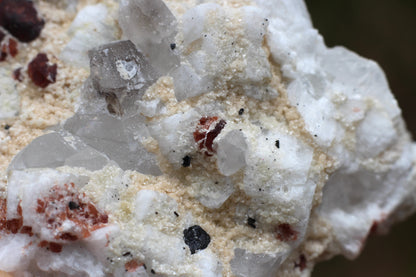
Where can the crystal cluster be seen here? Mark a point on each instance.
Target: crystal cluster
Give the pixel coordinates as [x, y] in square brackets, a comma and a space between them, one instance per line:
[210, 140]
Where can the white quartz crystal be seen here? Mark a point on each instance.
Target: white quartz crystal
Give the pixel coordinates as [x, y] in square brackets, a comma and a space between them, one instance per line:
[220, 139]
[209, 51]
[93, 26]
[231, 150]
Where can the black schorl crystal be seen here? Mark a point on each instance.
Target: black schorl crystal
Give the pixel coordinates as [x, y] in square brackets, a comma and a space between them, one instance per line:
[277, 143]
[251, 222]
[73, 205]
[186, 161]
[196, 238]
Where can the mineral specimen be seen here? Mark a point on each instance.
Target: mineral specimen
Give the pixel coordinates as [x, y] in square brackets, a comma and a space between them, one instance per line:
[212, 138]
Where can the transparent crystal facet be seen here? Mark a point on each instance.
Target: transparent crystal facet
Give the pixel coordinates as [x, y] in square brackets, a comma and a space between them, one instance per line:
[119, 67]
[58, 149]
[246, 264]
[118, 138]
[152, 27]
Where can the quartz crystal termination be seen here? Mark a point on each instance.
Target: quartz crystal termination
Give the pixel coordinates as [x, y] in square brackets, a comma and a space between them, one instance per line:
[211, 139]
[118, 72]
[152, 27]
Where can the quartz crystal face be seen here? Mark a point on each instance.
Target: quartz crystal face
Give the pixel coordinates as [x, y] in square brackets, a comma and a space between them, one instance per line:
[193, 138]
[119, 71]
[152, 27]
[119, 67]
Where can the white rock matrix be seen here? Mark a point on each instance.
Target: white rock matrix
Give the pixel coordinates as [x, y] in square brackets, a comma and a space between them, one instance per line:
[212, 138]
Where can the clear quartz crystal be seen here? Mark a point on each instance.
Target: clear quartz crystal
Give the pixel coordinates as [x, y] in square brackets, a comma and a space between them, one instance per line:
[58, 149]
[152, 27]
[108, 118]
[119, 139]
[108, 125]
[246, 264]
[119, 70]
[231, 152]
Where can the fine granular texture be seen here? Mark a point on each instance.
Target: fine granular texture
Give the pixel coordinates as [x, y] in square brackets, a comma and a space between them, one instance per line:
[190, 138]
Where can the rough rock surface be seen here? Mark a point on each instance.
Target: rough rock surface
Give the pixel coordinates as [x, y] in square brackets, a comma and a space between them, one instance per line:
[211, 138]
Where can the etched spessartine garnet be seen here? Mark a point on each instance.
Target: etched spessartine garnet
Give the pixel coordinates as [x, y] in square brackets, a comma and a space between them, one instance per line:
[20, 18]
[41, 72]
[205, 134]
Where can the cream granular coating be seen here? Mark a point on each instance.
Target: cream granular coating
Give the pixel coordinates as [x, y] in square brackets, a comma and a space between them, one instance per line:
[305, 119]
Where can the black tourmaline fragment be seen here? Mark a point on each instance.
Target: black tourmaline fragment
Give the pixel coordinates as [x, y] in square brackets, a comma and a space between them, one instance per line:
[251, 222]
[277, 143]
[196, 238]
[125, 254]
[186, 161]
[73, 205]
